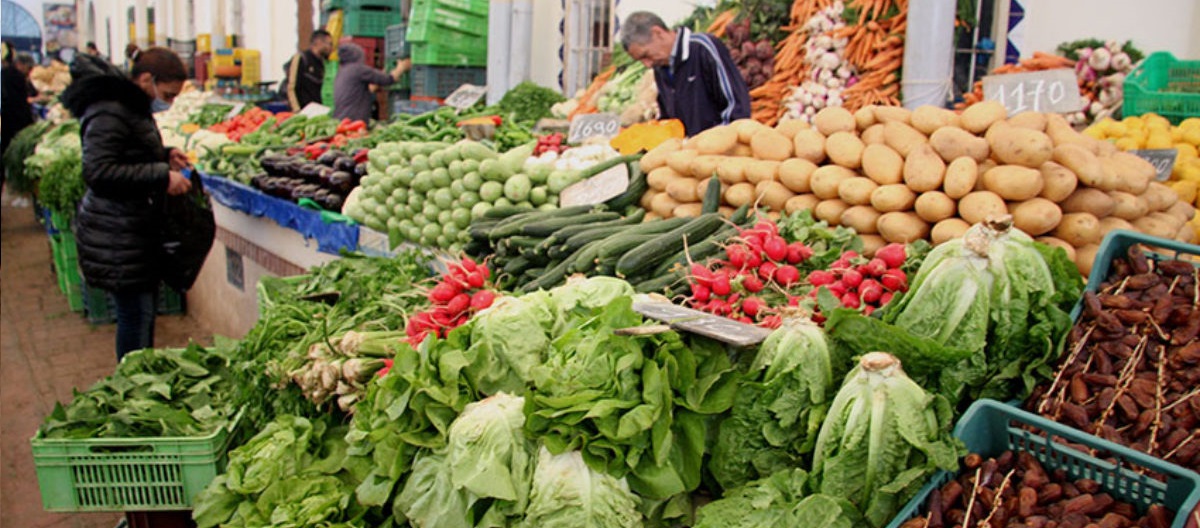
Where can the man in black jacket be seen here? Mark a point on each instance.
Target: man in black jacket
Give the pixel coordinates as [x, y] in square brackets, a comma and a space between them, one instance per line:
[698, 82]
[306, 71]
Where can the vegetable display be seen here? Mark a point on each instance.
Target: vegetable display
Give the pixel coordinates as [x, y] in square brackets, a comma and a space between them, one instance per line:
[22, 146]
[57, 166]
[326, 180]
[529, 102]
[829, 71]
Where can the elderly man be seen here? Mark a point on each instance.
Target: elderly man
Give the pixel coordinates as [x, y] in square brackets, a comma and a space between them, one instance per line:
[697, 80]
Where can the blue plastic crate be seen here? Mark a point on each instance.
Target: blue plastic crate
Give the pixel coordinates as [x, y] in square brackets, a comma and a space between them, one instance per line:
[1117, 244]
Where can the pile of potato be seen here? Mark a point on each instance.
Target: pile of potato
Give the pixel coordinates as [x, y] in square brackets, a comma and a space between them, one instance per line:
[896, 175]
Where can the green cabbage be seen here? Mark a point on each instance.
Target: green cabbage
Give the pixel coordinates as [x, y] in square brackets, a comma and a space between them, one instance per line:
[568, 494]
[778, 500]
[487, 451]
[430, 500]
[508, 340]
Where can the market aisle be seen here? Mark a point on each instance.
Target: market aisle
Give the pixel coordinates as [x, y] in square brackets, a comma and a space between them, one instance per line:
[46, 351]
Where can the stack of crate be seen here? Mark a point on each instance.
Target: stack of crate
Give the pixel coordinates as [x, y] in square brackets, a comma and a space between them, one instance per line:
[367, 18]
[449, 41]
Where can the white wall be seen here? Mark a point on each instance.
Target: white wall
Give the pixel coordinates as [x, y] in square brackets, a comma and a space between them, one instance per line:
[1153, 25]
[671, 11]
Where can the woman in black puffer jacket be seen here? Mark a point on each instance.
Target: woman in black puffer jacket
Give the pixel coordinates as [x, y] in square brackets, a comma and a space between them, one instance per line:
[129, 174]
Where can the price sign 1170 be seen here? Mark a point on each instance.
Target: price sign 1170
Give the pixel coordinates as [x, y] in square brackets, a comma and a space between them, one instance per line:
[1041, 91]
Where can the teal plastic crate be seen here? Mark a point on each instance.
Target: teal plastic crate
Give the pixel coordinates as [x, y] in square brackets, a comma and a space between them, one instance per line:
[1165, 86]
[1117, 244]
[128, 474]
[990, 428]
[441, 81]
[370, 22]
[426, 14]
[98, 308]
[434, 55]
[395, 45]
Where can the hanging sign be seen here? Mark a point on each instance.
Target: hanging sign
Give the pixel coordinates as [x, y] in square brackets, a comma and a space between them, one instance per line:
[597, 189]
[465, 96]
[701, 323]
[588, 126]
[1054, 91]
[1162, 159]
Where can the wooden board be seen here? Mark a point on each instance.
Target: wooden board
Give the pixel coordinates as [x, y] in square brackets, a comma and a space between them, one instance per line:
[702, 323]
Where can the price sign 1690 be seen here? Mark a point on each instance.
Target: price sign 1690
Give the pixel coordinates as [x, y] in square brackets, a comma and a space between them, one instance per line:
[593, 125]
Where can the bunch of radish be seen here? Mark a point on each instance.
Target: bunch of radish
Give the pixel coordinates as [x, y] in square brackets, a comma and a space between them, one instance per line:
[758, 276]
[829, 72]
[862, 284]
[464, 290]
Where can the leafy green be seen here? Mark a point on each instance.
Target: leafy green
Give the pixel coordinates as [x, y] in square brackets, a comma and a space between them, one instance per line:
[827, 242]
[488, 453]
[778, 500]
[569, 494]
[21, 147]
[57, 166]
[528, 102]
[508, 341]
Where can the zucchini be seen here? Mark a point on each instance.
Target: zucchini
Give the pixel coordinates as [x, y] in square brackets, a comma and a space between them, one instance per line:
[658, 284]
[515, 266]
[616, 246]
[576, 242]
[545, 228]
[712, 196]
[584, 260]
[480, 228]
[637, 187]
[549, 278]
[647, 255]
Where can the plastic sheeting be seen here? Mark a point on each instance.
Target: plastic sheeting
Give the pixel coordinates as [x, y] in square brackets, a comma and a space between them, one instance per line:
[331, 237]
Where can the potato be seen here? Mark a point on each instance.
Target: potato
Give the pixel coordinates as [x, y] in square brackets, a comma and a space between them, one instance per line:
[845, 149]
[810, 145]
[861, 218]
[1019, 146]
[924, 170]
[871, 244]
[801, 202]
[952, 143]
[758, 171]
[895, 197]
[948, 229]
[873, 135]
[882, 164]
[1058, 182]
[680, 161]
[979, 116]
[726, 211]
[773, 194]
[927, 119]
[1092, 201]
[902, 138]
[1085, 257]
[648, 199]
[768, 144]
[960, 177]
[1037, 216]
[1159, 197]
[739, 194]
[1083, 163]
[1013, 182]
[774, 216]
[1029, 120]
[1101, 148]
[746, 129]
[705, 166]
[741, 150]
[1062, 133]
[1134, 173]
[683, 190]
[651, 216]
[732, 170]
[825, 180]
[789, 127]
[716, 140]
[702, 188]
[977, 206]
[1174, 221]
[657, 157]
[902, 228]
[864, 117]
[1113, 223]
[688, 210]
[893, 114]
[1058, 243]
[857, 190]
[664, 205]
[1078, 229]
[1186, 234]
[660, 177]
[796, 173]
[1155, 227]
[934, 206]
[834, 119]
[1128, 206]
[1182, 210]
[830, 210]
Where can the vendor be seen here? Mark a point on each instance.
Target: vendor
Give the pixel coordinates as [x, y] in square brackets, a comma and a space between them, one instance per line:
[352, 96]
[306, 71]
[697, 80]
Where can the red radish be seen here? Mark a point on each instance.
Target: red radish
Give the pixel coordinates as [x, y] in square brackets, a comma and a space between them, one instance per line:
[752, 305]
[719, 307]
[787, 275]
[818, 318]
[701, 293]
[720, 285]
[737, 255]
[767, 227]
[487, 273]
[885, 298]
[850, 255]
[468, 264]
[442, 293]
[874, 268]
[745, 320]
[868, 310]
[892, 254]
[482, 300]
[733, 299]
[821, 278]
[702, 274]
[838, 289]
[767, 270]
[793, 301]
[753, 259]
[850, 300]
[754, 241]
[772, 321]
[840, 264]
[442, 317]
[475, 279]
[870, 290]
[752, 283]
[895, 280]
[776, 248]
[852, 278]
[799, 251]
[458, 304]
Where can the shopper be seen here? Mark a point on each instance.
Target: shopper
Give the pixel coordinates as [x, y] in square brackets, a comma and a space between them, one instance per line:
[352, 96]
[698, 82]
[128, 174]
[16, 112]
[306, 71]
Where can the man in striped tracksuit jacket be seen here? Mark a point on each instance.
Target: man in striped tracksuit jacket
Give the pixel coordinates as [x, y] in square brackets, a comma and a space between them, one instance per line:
[697, 80]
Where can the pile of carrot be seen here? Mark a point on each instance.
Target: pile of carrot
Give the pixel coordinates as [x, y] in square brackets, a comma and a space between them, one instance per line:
[587, 101]
[766, 101]
[1038, 62]
[721, 21]
[876, 49]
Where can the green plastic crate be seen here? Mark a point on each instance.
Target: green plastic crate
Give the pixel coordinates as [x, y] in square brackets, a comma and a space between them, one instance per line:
[1117, 243]
[370, 22]
[171, 301]
[97, 306]
[327, 84]
[128, 474]
[477, 7]
[990, 428]
[426, 13]
[329, 5]
[434, 55]
[66, 268]
[1163, 85]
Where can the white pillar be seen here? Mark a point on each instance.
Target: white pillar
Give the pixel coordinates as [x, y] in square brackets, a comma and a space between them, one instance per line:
[522, 42]
[499, 48]
[928, 53]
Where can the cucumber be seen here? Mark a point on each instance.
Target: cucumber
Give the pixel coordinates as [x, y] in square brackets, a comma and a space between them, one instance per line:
[659, 284]
[549, 278]
[608, 164]
[697, 252]
[515, 266]
[712, 196]
[512, 226]
[647, 255]
[567, 232]
[616, 246]
[545, 228]
[500, 213]
[637, 187]
[576, 242]
[584, 260]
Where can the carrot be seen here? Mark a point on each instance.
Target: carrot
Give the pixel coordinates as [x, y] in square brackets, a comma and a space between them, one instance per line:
[586, 103]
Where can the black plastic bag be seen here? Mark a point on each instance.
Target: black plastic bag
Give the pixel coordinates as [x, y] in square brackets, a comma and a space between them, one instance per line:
[188, 231]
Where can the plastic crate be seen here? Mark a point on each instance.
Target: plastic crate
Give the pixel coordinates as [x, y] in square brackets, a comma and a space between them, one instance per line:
[440, 81]
[395, 44]
[328, 5]
[1117, 244]
[990, 428]
[478, 7]
[372, 49]
[98, 308]
[171, 301]
[134, 474]
[410, 107]
[1164, 85]
[426, 13]
[66, 268]
[327, 85]
[434, 55]
[370, 22]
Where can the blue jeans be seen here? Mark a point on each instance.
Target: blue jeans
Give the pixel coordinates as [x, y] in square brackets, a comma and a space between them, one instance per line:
[135, 320]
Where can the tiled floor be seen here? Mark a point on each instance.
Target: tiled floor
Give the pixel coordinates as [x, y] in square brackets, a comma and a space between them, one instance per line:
[45, 352]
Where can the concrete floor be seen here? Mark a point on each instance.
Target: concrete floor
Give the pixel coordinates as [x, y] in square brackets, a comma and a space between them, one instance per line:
[46, 351]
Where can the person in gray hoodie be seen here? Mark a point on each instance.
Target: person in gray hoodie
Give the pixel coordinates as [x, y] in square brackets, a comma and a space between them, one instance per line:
[352, 96]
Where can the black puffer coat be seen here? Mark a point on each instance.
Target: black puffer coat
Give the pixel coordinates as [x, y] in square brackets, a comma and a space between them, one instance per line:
[118, 227]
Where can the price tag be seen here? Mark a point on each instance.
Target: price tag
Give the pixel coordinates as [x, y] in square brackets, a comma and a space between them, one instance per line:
[466, 96]
[315, 110]
[374, 243]
[1041, 91]
[702, 323]
[237, 109]
[1162, 159]
[597, 189]
[593, 125]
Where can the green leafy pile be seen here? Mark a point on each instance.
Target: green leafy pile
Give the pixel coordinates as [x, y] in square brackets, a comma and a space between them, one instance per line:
[57, 166]
[210, 114]
[528, 102]
[153, 393]
[827, 242]
[569, 494]
[21, 147]
[781, 499]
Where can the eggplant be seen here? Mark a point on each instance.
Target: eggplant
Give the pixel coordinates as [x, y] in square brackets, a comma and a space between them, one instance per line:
[334, 202]
[292, 168]
[360, 170]
[329, 157]
[341, 181]
[323, 174]
[310, 173]
[345, 164]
